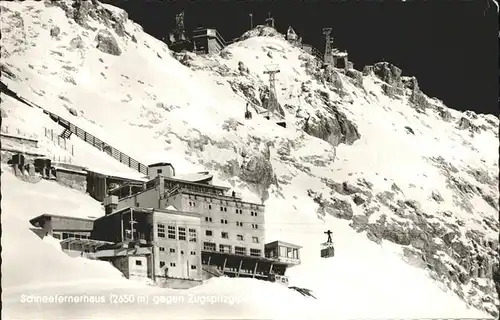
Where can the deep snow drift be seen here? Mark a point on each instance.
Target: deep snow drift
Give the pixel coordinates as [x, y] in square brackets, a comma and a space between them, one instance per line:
[146, 103]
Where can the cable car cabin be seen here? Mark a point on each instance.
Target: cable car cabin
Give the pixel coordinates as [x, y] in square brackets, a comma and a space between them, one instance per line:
[279, 279]
[281, 124]
[327, 251]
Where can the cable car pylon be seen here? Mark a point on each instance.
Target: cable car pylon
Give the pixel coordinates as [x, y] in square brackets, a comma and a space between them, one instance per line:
[328, 250]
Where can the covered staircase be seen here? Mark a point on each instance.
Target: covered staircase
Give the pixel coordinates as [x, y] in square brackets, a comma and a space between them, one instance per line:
[70, 128]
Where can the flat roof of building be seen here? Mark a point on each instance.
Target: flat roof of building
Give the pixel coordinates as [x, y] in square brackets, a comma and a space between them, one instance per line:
[161, 164]
[151, 210]
[101, 173]
[74, 171]
[85, 242]
[197, 183]
[229, 198]
[245, 256]
[50, 215]
[196, 177]
[282, 243]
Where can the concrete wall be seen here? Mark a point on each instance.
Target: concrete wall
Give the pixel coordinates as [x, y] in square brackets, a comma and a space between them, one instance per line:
[210, 207]
[121, 263]
[136, 271]
[146, 199]
[13, 140]
[179, 256]
[71, 224]
[96, 186]
[213, 46]
[166, 171]
[72, 180]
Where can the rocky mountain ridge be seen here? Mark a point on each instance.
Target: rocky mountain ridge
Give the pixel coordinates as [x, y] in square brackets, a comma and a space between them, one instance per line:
[398, 165]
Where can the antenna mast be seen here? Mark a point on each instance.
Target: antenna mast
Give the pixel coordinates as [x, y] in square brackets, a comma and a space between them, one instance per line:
[328, 58]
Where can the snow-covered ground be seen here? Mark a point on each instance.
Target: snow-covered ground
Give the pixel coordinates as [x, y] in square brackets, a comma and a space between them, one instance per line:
[147, 104]
[362, 281]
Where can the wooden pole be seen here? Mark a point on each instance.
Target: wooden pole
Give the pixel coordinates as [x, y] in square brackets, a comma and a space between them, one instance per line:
[239, 268]
[132, 223]
[255, 268]
[224, 265]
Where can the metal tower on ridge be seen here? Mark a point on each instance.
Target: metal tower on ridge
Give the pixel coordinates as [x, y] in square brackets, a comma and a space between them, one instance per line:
[328, 58]
[273, 101]
[270, 20]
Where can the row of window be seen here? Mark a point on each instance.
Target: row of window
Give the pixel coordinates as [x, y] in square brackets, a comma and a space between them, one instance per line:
[172, 233]
[172, 264]
[69, 235]
[172, 250]
[238, 223]
[225, 235]
[224, 209]
[224, 202]
[210, 246]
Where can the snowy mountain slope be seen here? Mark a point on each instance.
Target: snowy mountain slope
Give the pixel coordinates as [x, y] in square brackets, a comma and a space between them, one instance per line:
[393, 163]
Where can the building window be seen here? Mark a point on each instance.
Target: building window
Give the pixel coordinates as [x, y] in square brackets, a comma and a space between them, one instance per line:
[239, 237]
[239, 224]
[224, 235]
[255, 226]
[225, 248]
[159, 171]
[255, 213]
[225, 209]
[255, 239]
[223, 221]
[240, 250]
[162, 264]
[193, 267]
[221, 208]
[192, 235]
[172, 264]
[208, 219]
[255, 252]
[172, 250]
[182, 252]
[208, 233]
[193, 253]
[210, 206]
[171, 232]
[138, 262]
[161, 230]
[162, 249]
[209, 246]
[56, 235]
[182, 233]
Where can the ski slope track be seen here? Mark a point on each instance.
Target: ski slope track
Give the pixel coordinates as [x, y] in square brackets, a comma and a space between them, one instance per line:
[408, 186]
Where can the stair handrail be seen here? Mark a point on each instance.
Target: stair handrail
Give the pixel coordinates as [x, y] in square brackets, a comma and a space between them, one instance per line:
[70, 126]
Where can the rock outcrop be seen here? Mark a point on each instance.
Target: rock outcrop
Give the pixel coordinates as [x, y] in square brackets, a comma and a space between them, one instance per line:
[107, 43]
[334, 128]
